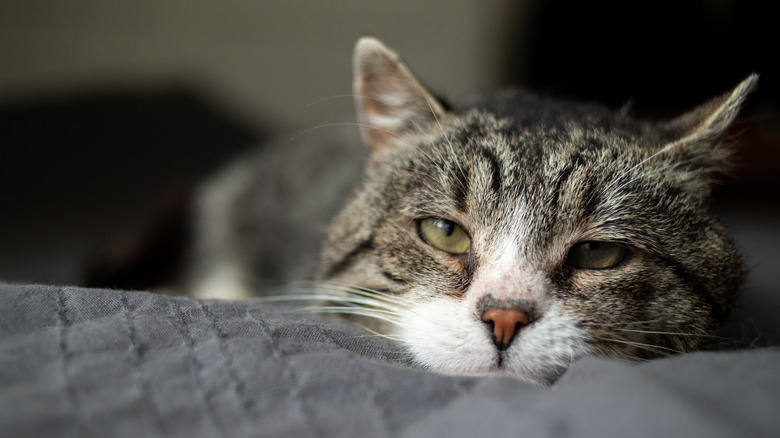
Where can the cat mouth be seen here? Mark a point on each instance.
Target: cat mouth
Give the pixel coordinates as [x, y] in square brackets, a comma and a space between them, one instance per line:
[500, 360]
[544, 376]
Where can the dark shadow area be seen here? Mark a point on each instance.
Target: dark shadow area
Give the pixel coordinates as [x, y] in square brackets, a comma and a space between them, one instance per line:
[662, 59]
[91, 176]
[661, 55]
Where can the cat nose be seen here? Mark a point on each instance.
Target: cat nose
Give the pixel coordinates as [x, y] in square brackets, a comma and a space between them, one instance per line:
[505, 323]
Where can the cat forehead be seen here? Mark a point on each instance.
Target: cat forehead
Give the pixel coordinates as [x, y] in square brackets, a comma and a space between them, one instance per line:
[525, 180]
[479, 137]
[526, 112]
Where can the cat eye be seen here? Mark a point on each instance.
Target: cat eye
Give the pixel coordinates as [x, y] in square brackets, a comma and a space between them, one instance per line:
[596, 255]
[444, 235]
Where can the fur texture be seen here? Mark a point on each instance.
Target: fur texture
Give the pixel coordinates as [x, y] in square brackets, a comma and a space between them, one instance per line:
[587, 232]
[529, 179]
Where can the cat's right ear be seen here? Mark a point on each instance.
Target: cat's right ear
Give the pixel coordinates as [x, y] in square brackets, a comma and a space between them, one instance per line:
[700, 139]
[389, 99]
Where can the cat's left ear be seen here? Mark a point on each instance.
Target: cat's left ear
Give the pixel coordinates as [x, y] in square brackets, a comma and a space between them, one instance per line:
[389, 99]
[697, 138]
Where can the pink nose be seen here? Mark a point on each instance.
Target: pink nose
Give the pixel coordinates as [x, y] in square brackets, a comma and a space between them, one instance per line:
[505, 324]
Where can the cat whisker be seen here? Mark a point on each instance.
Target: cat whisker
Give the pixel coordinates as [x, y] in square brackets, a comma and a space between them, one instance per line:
[362, 291]
[656, 332]
[392, 109]
[655, 171]
[443, 132]
[650, 347]
[360, 311]
[335, 96]
[654, 322]
[438, 122]
[346, 301]
[395, 339]
[619, 323]
[343, 289]
[627, 172]
[389, 303]
[349, 95]
[353, 310]
[374, 333]
[438, 163]
[329, 125]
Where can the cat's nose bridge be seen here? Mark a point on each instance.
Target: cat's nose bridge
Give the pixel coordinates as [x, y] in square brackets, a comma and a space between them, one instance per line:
[507, 284]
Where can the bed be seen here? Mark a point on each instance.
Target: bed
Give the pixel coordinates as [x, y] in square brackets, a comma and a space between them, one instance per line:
[96, 362]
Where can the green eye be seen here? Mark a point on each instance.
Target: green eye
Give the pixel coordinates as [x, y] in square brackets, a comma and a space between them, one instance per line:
[444, 235]
[596, 255]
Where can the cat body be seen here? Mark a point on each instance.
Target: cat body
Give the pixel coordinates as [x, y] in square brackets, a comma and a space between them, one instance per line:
[518, 233]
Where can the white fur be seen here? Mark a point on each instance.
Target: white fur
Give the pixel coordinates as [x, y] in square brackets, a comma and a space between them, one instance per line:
[507, 279]
[446, 335]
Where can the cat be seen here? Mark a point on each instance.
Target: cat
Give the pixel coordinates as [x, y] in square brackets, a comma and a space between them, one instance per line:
[513, 235]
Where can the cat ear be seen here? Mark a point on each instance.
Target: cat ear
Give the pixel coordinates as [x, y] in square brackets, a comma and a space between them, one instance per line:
[698, 137]
[388, 98]
[709, 121]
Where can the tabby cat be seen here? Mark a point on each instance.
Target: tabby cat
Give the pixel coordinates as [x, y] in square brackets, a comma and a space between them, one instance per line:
[518, 233]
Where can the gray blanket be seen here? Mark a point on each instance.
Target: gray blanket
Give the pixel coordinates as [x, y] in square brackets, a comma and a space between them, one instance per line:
[85, 362]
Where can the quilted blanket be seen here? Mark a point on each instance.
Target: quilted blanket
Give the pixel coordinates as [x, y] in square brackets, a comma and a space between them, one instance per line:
[106, 363]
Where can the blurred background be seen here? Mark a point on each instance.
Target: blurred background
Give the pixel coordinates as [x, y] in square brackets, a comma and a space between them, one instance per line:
[111, 111]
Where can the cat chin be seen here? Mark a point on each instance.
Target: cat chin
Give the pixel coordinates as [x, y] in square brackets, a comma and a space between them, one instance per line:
[545, 376]
[444, 335]
[540, 378]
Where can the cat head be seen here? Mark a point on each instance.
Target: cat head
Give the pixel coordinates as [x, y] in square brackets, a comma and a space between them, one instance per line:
[518, 233]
